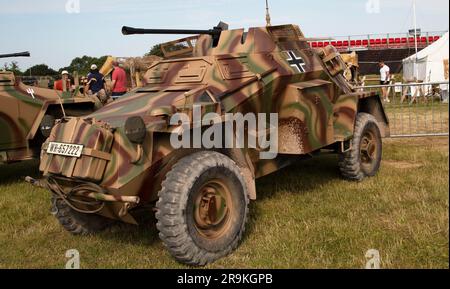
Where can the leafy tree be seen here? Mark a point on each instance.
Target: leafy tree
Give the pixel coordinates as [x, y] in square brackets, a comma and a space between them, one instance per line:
[83, 64]
[155, 50]
[14, 67]
[40, 70]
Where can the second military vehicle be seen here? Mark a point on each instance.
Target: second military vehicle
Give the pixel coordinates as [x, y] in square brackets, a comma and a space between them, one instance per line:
[126, 158]
[27, 114]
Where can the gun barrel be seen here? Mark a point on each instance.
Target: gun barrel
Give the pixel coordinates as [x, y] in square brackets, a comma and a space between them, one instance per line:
[21, 54]
[130, 31]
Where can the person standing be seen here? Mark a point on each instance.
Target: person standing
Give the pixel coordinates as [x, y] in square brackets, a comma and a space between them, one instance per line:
[385, 78]
[119, 81]
[59, 84]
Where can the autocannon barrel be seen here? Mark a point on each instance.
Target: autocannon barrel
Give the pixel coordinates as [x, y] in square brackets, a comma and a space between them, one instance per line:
[130, 31]
[21, 54]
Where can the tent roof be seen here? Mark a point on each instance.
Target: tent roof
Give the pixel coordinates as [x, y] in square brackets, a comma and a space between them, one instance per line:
[438, 49]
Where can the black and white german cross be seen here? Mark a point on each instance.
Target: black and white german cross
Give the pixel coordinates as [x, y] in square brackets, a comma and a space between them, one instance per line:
[296, 61]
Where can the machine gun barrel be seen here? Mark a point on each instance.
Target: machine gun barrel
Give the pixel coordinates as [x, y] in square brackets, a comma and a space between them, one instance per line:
[21, 54]
[130, 31]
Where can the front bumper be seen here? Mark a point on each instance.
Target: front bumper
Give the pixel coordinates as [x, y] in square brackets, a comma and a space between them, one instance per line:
[94, 199]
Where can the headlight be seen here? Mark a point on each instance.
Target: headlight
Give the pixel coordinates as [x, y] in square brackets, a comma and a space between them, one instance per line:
[47, 124]
[135, 129]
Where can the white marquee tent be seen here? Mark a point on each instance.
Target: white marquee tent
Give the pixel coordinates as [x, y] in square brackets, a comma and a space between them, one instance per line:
[430, 63]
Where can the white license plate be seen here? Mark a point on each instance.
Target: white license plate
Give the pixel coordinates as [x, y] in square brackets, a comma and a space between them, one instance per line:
[65, 149]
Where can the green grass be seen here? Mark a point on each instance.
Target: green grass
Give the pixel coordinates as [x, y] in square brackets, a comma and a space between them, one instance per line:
[306, 217]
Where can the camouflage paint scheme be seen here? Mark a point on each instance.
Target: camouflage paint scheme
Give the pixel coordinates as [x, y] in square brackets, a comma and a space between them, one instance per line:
[352, 72]
[243, 73]
[21, 115]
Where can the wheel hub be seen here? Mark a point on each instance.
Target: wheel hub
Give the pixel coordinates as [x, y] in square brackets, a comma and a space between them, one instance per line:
[211, 210]
[368, 148]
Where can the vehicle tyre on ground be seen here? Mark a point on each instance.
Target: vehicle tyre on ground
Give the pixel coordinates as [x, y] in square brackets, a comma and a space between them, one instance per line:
[364, 158]
[202, 208]
[78, 223]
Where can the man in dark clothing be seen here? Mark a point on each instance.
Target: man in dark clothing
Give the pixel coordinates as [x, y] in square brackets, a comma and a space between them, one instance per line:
[95, 80]
[96, 84]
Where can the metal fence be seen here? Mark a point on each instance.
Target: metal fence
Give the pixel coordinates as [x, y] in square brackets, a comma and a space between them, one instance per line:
[380, 41]
[415, 109]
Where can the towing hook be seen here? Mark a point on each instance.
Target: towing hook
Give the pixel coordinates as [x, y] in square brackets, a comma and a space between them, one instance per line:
[34, 182]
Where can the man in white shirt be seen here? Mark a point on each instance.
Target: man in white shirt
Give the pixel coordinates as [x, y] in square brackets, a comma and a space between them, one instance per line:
[385, 78]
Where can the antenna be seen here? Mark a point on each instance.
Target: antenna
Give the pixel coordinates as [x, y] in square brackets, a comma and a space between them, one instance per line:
[61, 103]
[267, 14]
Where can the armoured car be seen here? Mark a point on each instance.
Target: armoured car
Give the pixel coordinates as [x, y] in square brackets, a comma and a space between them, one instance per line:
[151, 150]
[27, 114]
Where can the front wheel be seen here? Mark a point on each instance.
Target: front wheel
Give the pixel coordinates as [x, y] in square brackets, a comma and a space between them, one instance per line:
[364, 158]
[202, 208]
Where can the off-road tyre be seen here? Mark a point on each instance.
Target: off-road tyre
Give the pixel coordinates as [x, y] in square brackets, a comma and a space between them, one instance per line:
[192, 237]
[78, 223]
[364, 158]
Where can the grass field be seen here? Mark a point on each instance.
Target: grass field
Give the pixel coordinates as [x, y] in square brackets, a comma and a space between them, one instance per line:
[306, 217]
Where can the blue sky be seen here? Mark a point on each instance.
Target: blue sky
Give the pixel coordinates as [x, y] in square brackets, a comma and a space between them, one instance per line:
[54, 36]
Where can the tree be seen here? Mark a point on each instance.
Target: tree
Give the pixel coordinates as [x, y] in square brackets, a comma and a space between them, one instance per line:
[82, 65]
[14, 67]
[40, 70]
[155, 50]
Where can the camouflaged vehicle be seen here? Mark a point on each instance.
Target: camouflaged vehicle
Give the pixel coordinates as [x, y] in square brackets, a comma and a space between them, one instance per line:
[119, 161]
[26, 112]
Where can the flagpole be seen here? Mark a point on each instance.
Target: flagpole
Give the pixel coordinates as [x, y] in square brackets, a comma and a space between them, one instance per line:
[267, 14]
[416, 70]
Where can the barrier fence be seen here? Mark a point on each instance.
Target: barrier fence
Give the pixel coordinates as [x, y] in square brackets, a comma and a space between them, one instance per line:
[415, 109]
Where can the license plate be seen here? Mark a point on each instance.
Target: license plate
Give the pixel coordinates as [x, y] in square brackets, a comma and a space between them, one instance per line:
[65, 149]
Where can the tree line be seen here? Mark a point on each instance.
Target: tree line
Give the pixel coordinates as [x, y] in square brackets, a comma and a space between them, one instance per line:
[80, 64]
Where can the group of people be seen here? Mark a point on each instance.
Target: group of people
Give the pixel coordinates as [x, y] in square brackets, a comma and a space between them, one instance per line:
[94, 83]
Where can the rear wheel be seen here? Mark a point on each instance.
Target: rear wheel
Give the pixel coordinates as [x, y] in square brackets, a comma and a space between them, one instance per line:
[364, 158]
[78, 223]
[202, 208]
